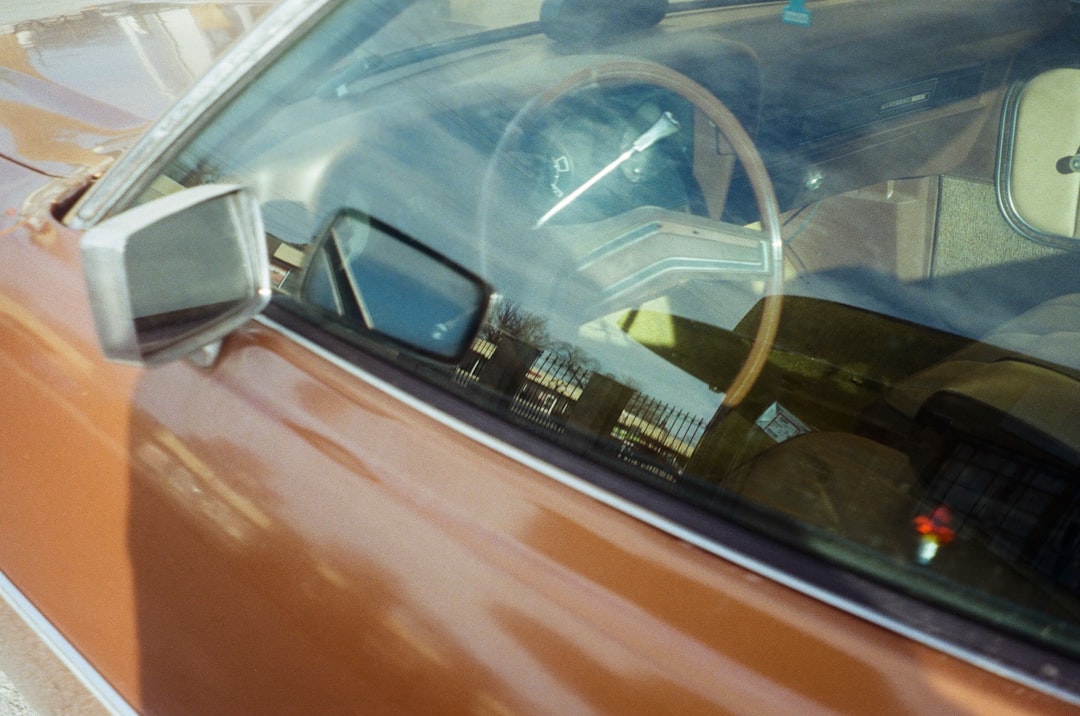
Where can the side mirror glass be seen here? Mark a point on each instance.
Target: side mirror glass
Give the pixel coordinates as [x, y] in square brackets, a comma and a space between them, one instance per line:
[172, 276]
[373, 278]
[1038, 172]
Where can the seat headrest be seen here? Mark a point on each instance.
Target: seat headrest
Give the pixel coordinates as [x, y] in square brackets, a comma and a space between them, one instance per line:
[595, 22]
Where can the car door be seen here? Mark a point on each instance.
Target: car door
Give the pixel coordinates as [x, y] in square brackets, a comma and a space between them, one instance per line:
[302, 528]
[320, 519]
[305, 528]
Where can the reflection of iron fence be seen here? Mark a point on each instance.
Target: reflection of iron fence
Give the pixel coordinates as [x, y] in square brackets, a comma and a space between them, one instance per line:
[652, 428]
[650, 434]
[549, 391]
[468, 371]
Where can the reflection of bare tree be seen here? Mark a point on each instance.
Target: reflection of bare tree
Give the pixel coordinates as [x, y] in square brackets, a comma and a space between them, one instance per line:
[511, 319]
[574, 356]
[559, 386]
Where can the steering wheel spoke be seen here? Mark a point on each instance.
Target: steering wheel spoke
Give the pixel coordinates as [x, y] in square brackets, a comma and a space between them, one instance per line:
[646, 251]
[594, 268]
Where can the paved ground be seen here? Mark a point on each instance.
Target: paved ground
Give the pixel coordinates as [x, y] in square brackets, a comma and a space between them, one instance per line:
[11, 702]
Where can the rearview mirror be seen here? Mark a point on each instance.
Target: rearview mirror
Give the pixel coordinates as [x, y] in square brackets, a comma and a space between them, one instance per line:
[1038, 172]
[175, 275]
[375, 279]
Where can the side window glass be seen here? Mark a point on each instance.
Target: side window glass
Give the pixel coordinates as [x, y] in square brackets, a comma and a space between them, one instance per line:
[602, 263]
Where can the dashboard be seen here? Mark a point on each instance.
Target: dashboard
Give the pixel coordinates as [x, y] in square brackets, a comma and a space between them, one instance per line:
[849, 103]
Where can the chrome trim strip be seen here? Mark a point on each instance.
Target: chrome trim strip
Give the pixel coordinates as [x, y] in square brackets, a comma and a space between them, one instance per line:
[677, 530]
[258, 47]
[48, 635]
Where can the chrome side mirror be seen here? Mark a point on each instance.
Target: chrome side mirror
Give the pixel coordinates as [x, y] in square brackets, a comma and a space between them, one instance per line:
[170, 278]
[1038, 182]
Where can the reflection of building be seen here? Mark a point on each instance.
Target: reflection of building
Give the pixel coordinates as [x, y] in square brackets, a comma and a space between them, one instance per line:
[170, 45]
[560, 397]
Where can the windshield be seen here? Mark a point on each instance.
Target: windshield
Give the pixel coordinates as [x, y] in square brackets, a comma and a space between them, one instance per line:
[810, 267]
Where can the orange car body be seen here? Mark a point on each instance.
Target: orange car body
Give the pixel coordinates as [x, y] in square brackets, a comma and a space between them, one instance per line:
[290, 533]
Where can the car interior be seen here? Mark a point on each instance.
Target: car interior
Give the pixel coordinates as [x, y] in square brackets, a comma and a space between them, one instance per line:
[848, 249]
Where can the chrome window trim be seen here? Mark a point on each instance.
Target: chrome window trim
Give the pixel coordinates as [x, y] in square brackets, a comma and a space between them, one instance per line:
[263, 44]
[97, 687]
[679, 531]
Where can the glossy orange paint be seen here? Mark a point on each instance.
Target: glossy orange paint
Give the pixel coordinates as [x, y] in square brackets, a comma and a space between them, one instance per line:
[279, 534]
[64, 416]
